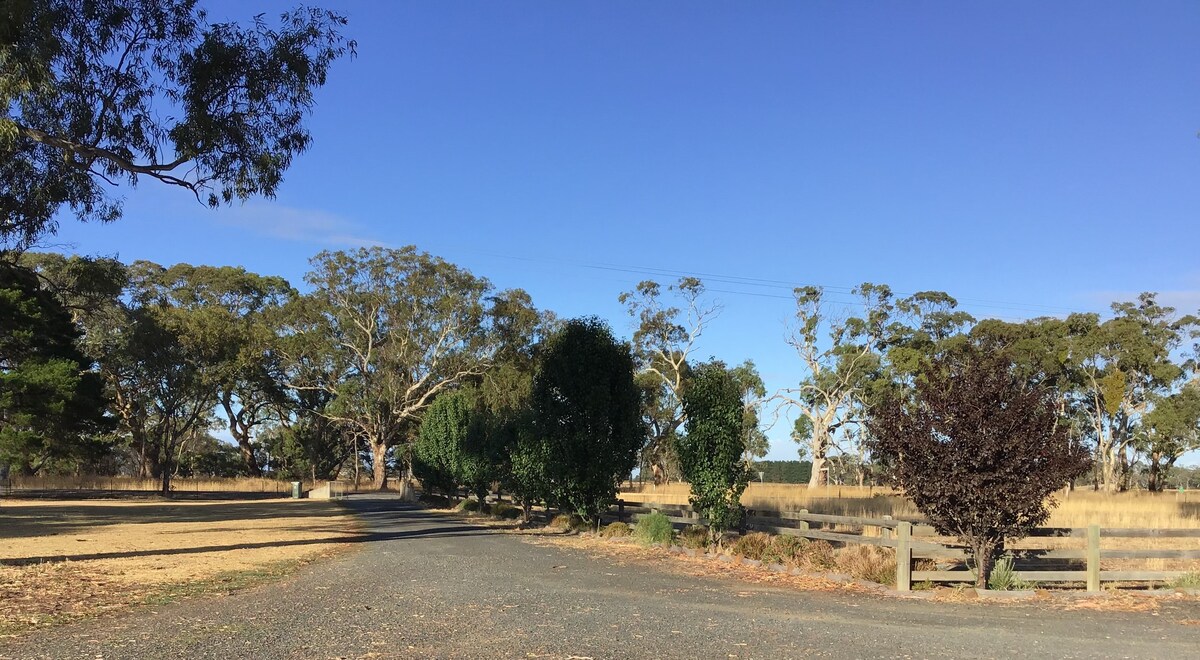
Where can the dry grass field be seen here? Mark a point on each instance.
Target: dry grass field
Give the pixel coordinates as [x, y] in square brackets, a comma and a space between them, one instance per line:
[1079, 508]
[60, 560]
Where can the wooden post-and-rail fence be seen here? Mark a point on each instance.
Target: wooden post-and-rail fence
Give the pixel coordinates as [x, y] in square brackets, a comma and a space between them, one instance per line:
[912, 542]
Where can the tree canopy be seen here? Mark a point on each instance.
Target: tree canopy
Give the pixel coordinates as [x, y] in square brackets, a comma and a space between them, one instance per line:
[97, 93]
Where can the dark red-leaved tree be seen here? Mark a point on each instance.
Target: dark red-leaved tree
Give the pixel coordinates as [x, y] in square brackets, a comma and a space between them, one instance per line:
[977, 449]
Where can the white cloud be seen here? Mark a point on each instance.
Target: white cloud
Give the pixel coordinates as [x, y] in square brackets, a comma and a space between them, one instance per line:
[294, 224]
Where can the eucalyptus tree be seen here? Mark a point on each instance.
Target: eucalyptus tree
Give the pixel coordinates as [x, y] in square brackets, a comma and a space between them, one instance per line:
[852, 361]
[400, 326]
[234, 308]
[663, 342]
[1126, 363]
[1169, 430]
[157, 361]
[96, 93]
[752, 393]
[837, 369]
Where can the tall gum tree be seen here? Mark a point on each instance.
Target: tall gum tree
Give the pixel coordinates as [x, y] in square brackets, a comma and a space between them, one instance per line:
[402, 326]
[852, 360]
[232, 307]
[663, 342]
[1125, 363]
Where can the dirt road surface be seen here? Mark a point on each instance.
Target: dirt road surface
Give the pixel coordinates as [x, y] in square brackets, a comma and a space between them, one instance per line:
[423, 585]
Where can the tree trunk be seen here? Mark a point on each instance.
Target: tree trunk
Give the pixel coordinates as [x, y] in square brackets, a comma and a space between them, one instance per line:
[985, 552]
[379, 463]
[252, 466]
[820, 468]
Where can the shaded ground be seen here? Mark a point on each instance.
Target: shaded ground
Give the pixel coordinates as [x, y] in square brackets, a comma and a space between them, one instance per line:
[424, 585]
[60, 560]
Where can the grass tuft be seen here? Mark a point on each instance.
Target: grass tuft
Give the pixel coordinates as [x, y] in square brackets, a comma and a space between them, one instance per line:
[616, 530]
[654, 528]
[867, 562]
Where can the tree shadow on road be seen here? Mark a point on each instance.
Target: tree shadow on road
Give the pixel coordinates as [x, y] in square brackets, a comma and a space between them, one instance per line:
[440, 531]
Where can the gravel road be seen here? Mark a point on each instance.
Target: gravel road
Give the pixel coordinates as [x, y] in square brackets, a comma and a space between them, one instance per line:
[430, 586]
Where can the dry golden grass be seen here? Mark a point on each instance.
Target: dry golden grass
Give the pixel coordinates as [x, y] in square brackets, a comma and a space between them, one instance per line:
[1079, 508]
[236, 485]
[60, 560]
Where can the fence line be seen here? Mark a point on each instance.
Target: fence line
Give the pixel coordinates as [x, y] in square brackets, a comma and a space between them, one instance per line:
[905, 538]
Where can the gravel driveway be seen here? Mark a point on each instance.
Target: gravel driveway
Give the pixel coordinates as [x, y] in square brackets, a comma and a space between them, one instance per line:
[430, 586]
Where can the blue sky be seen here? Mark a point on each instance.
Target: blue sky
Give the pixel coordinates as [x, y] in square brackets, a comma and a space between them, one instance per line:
[1028, 158]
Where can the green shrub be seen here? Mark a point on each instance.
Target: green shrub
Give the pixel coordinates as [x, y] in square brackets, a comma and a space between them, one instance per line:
[817, 555]
[1187, 581]
[867, 562]
[616, 530]
[468, 505]
[752, 545]
[784, 549]
[695, 537]
[654, 528]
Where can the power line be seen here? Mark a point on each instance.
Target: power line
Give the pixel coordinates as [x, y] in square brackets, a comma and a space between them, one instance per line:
[1035, 309]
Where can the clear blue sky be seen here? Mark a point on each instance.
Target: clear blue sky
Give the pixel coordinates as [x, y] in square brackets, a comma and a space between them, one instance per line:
[1028, 158]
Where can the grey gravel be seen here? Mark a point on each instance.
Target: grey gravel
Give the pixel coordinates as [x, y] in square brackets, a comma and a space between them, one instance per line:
[430, 586]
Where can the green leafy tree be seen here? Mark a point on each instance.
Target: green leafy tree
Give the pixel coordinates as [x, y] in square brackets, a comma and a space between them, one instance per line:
[51, 402]
[1169, 431]
[711, 452]
[232, 307]
[458, 445]
[977, 450]
[1126, 364]
[586, 423]
[102, 92]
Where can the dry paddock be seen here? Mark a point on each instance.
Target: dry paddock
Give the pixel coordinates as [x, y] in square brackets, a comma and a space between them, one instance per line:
[64, 559]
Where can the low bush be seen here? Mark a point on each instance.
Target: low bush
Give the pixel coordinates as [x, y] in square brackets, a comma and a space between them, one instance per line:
[567, 522]
[695, 537]
[506, 511]
[867, 562]
[817, 555]
[752, 545]
[654, 528]
[471, 506]
[616, 530]
[784, 549]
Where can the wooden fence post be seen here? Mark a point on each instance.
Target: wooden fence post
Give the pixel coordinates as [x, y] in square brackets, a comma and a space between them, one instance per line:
[884, 531]
[802, 524]
[904, 556]
[1093, 558]
[621, 510]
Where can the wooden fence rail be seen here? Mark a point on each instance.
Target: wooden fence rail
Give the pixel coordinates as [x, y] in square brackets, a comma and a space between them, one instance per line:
[906, 539]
